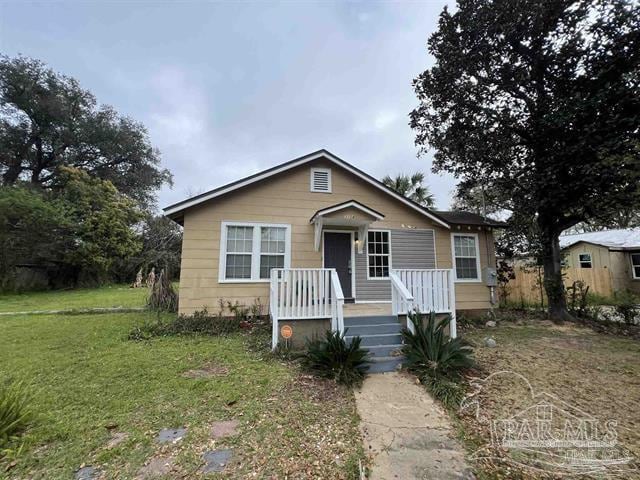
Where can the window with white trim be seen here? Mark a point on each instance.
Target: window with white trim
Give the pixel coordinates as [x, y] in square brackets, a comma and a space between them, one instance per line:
[249, 251]
[635, 264]
[321, 180]
[378, 254]
[585, 260]
[466, 257]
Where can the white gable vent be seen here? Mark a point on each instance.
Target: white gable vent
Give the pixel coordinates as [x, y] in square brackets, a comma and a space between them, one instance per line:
[321, 180]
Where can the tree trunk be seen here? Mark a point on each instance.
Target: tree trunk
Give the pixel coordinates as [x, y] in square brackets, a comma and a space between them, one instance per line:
[551, 261]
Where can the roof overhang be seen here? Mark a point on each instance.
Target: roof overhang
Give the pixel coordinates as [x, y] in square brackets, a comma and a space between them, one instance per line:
[354, 215]
[175, 211]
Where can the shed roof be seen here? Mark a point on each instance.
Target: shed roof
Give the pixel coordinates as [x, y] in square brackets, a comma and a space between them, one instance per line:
[620, 239]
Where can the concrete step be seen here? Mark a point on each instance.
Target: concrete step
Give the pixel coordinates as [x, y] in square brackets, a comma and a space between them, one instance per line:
[377, 340]
[383, 350]
[370, 320]
[384, 364]
[364, 330]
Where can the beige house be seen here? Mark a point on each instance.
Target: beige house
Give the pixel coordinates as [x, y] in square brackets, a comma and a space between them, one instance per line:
[316, 240]
[616, 252]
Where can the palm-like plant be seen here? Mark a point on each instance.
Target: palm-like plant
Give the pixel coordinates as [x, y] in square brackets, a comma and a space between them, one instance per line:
[333, 357]
[429, 351]
[411, 186]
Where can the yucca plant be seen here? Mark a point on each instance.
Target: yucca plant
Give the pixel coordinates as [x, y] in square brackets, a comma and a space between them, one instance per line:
[333, 357]
[431, 351]
[15, 413]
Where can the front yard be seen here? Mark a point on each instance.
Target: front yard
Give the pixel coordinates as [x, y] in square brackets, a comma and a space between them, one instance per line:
[596, 373]
[101, 400]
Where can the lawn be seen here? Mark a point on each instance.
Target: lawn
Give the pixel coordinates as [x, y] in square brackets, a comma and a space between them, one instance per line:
[103, 297]
[596, 373]
[92, 385]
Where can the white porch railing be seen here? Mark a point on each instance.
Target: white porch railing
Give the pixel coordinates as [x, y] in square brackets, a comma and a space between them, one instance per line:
[305, 293]
[425, 290]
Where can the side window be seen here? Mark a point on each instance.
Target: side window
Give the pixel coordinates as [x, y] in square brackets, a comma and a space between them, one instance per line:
[635, 264]
[378, 254]
[466, 257]
[585, 260]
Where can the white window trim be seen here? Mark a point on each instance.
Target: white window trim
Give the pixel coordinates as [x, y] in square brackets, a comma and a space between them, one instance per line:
[318, 169]
[255, 254]
[633, 270]
[478, 279]
[366, 246]
[590, 261]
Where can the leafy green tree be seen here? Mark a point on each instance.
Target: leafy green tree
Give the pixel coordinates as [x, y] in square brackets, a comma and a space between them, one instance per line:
[411, 186]
[47, 121]
[103, 222]
[33, 230]
[540, 100]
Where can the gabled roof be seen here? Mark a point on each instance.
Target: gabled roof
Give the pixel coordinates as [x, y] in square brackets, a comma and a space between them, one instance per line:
[348, 204]
[176, 210]
[620, 239]
[455, 217]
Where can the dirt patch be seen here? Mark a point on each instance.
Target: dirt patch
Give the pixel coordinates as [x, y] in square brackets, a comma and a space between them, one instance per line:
[208, 370]
[156, 467]
[224, 429]
[597, 374]
[116, 439]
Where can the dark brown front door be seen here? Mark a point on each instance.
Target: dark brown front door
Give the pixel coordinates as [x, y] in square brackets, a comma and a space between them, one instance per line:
[337, 254]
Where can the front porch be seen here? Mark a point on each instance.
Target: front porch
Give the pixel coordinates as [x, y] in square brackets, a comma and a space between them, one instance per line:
[311, 301]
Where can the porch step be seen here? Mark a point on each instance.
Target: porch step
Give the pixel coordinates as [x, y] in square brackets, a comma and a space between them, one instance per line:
[384, 351]
[370, 320]
[384, 364]
[373, 329]
[377, 340]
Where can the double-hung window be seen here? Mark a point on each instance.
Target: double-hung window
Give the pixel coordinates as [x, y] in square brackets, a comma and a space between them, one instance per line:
[635, 265]
[378, 254]
[248, 251]
[584, 260]
[466, 257]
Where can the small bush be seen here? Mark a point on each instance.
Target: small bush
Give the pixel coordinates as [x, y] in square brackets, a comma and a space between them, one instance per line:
[15, 413]
[437, 359]
[430, 351]
[200, 322]
[333, 357]
[627, 307]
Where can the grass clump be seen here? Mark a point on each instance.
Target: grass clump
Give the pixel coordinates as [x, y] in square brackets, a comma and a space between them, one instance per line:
[162, 296]
[15, 414]
[437, 359]
[334, 358]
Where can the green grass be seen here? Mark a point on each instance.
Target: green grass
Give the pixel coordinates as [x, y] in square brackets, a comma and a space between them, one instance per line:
[103, 297]
[86, 375]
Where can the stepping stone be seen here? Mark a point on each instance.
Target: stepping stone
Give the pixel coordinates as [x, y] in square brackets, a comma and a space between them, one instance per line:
[117, 438]
[87, 473]
[172, 435]
[216, 460]
[156, 467]
[224, 429]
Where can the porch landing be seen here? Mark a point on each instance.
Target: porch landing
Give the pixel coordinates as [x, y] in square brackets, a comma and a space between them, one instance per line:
[366, 309]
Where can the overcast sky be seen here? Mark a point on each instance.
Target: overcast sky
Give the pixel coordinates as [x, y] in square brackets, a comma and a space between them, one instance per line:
[230, 88]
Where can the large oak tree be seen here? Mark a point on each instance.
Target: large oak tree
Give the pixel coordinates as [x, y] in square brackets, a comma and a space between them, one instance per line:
[47, 121]
[541, 101]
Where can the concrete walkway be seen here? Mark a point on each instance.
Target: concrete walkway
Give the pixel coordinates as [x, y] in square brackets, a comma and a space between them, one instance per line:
[406, 433]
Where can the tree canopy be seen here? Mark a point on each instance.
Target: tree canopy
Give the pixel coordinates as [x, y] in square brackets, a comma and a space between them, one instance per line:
[541, 102]
[411, 186]
[47, 120]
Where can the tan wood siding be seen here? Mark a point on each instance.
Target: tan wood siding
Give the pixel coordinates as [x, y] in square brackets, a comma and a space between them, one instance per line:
[287, 199]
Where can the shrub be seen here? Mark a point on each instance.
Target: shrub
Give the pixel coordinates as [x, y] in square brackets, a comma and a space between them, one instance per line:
[333, 357]
[577, 298]
[430, 351]
[437, 359]
[15, 413]
[201, 322]
[627, 307]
